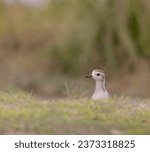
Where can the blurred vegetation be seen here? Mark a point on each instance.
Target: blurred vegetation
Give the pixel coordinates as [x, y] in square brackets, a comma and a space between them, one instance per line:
[69, 35]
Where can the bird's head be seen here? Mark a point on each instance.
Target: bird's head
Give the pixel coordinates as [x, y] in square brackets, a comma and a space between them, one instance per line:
[97, 75]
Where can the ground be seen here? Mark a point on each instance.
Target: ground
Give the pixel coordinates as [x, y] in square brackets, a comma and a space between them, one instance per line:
[21, 113]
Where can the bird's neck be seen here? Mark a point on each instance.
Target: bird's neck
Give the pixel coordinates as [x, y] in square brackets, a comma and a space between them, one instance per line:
[100, 85]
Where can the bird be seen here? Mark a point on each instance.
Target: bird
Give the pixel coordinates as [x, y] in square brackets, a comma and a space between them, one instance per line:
[100, 89]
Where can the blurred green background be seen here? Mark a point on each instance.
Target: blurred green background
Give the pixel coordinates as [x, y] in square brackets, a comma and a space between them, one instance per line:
[46, 47]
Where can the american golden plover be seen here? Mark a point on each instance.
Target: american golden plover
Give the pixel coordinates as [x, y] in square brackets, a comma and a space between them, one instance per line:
[100, 90]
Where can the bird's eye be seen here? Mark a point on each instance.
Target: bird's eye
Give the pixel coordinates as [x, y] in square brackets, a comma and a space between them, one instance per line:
[98, 74]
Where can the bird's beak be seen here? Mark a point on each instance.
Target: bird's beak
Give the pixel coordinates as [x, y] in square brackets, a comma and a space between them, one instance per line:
[88, 76]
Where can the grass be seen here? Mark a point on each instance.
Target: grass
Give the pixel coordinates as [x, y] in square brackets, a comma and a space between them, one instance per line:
[20, 113]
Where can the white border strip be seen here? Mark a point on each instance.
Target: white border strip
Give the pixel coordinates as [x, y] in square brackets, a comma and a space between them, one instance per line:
[75, 143]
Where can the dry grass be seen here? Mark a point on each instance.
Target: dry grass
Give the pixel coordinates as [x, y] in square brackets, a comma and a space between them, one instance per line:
[20, 113]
